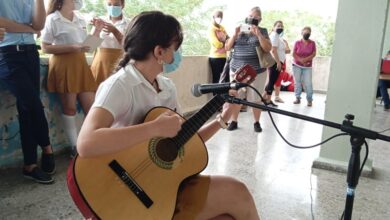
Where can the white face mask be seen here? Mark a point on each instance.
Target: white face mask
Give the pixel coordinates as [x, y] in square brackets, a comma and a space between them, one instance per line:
[78, 4]
[218, 20]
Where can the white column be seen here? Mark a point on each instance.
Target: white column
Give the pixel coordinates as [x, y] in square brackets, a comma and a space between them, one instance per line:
[358, 47]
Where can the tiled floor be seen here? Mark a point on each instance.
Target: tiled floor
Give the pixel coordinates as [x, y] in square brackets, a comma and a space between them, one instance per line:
[280, 177]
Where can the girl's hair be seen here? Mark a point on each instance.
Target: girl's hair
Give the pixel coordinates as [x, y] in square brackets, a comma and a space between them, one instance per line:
[277, 22]
[54, 5]
[146, 31]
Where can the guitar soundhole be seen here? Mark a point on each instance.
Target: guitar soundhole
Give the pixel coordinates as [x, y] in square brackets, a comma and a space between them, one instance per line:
[166, 150]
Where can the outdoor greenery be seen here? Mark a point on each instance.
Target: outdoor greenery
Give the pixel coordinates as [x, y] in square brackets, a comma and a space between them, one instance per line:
[195, 20]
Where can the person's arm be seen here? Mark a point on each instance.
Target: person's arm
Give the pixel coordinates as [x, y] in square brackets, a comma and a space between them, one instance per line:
[98, 138]
[311, 56]
[230, 42]
[14, 27]
[60, 49]
[213, 39]
[39, 15]
[288, 50]
[274, 51]
[265, 42]
[295, 55]
[110, 28]
[209, 129]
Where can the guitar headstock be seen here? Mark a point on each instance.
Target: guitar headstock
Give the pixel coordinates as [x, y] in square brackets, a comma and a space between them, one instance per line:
[246, 74]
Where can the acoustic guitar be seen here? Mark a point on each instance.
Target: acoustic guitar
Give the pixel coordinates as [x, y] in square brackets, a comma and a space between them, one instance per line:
[141, 182]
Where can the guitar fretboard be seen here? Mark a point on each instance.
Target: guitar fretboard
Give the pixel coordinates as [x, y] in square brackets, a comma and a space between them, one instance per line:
[192, 125]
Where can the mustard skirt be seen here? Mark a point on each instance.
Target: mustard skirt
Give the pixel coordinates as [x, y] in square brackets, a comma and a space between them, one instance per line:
[70, 73]
[104, 63]
[191, 197]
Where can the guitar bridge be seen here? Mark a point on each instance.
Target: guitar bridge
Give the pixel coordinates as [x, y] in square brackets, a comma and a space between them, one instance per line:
[131, 183]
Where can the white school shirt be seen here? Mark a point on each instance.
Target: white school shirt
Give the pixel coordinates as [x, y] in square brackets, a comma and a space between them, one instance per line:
[109, 40]
[277, 42]
[60, 31]
[128, 96]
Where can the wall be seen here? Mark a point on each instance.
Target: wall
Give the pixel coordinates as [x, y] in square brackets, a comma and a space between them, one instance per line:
[194, 69]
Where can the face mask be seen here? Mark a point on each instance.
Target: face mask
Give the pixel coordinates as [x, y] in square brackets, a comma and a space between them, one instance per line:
[251, 21]
[114, 11]
[218, 20]
[78, 4]
[279, 30]
[170, 67]
[306, 36]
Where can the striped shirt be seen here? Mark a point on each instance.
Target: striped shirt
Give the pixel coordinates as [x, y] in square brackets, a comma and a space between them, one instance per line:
[244, 51]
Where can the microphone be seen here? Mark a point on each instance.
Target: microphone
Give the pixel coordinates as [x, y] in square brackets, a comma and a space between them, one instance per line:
[218, 88]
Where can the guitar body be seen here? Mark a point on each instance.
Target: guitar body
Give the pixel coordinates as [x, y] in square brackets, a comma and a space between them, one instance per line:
[140, 182]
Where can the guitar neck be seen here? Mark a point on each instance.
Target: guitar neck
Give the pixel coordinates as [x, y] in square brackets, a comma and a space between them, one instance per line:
[192, 125]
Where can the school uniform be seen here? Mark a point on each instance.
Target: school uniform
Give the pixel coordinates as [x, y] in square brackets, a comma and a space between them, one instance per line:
[109, 52]
[68, 72]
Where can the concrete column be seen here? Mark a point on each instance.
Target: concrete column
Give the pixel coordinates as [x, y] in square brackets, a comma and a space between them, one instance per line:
[358, 48]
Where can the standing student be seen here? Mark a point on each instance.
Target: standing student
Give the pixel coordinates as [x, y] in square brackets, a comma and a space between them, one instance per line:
[110, 29]
[19, 70]
[151, 47]
[217, 38]
[303, 53]
[69, 73]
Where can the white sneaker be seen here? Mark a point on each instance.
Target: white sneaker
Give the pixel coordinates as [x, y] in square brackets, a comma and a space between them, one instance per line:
[278, 99]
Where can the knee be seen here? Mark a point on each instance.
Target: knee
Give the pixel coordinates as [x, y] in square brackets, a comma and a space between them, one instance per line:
[69, 110]
[243, 196]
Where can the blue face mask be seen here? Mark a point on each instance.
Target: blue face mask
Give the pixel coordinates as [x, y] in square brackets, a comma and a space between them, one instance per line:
[114, 11]
[78, 4]
[170, 67]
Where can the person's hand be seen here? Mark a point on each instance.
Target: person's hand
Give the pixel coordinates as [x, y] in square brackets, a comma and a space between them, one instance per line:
[168, 124]
[98, 23]
[80, 48]
[2, 32]
[109, 28]
[256, 31]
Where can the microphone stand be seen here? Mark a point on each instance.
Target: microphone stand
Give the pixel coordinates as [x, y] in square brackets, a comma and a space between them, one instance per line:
[357, 134]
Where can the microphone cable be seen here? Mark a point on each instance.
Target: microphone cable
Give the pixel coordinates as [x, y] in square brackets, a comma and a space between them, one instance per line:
[312, 146]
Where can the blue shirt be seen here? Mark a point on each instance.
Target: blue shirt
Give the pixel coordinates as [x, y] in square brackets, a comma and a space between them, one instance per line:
[20, 11]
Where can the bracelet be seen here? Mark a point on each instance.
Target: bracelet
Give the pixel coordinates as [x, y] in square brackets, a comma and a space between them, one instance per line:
[221, 122]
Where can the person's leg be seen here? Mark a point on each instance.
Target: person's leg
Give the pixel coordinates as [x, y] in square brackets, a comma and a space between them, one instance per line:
[233, 121]
[68, 102]
[259, 84]
[384, 93]
[227, 197]
[308, 84]
[273, 77]
[14, 72]
[86, 100]
[297, 71]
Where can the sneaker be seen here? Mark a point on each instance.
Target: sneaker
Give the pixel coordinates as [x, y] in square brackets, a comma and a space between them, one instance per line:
[257, 127]
[232, 126]
[38, 176]
[387, 108]
[271, 103]
[297, 101]
[278, 99]
[309, 103]
[47, 164]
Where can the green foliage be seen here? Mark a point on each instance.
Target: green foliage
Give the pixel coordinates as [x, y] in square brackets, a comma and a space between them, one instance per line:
[192, 16]
[195, 20]
[322, 29]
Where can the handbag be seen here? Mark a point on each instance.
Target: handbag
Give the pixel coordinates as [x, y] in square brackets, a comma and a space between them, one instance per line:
[265, 58]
